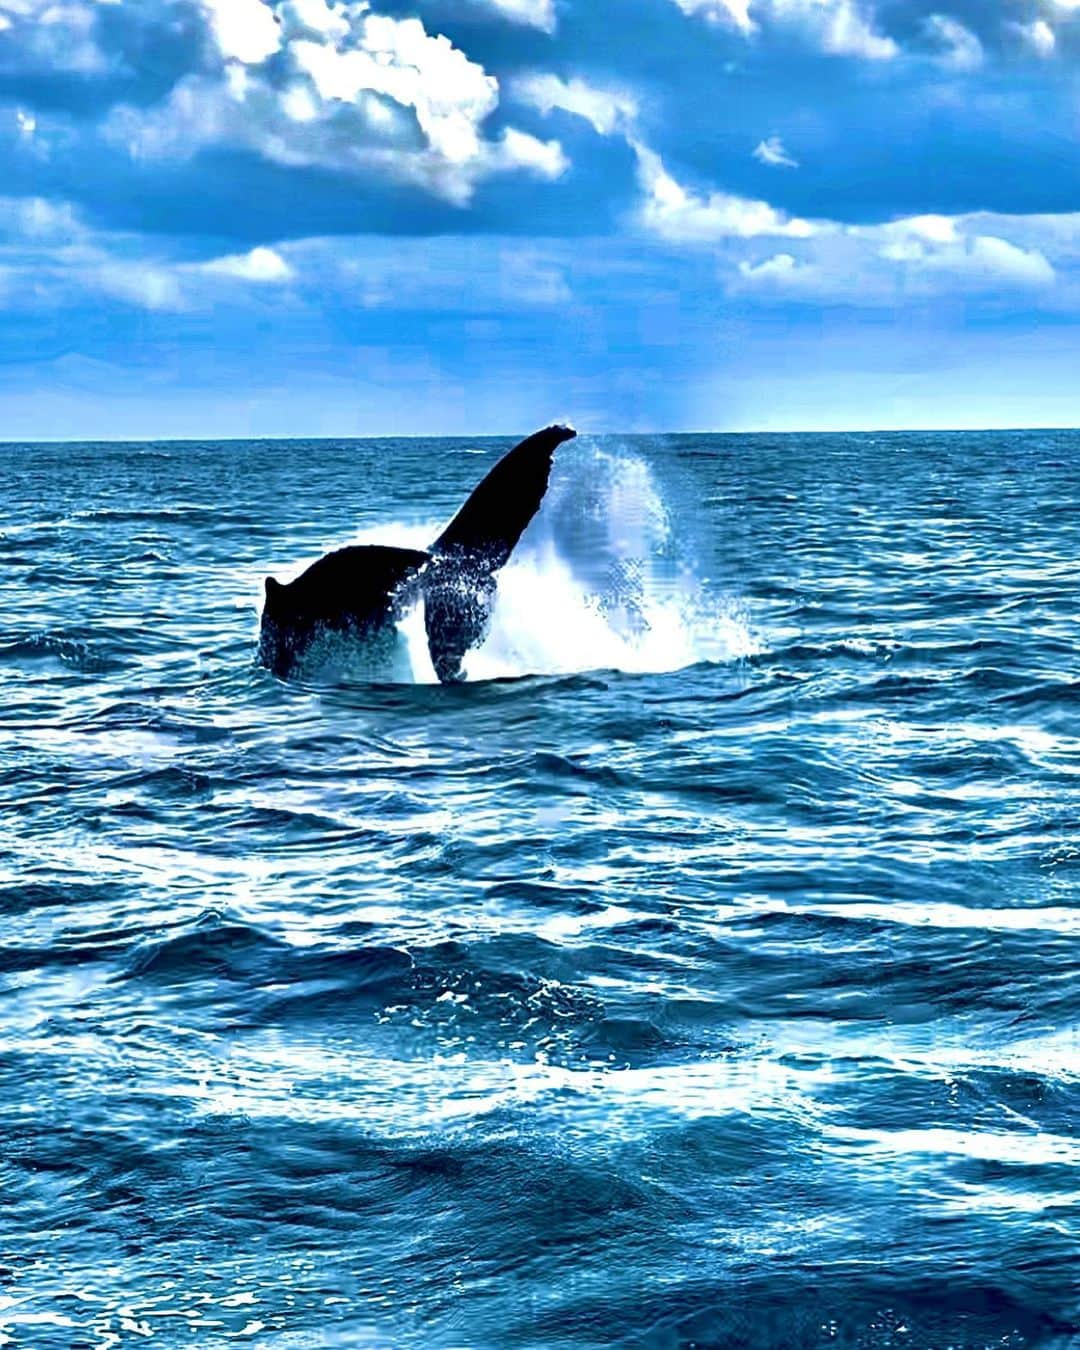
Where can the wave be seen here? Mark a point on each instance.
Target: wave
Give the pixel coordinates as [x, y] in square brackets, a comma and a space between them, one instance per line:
[89, 656]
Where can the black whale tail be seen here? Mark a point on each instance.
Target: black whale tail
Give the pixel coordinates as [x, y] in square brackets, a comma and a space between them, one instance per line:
[489, 525]
[362, 591]
[459, 582]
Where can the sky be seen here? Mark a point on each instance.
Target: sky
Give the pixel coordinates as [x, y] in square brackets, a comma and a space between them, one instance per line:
[468, 217]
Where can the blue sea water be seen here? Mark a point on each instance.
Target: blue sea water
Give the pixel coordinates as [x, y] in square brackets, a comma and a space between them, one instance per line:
[703, 972]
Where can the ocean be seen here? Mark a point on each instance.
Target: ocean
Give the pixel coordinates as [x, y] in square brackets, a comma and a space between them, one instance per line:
[704, 971]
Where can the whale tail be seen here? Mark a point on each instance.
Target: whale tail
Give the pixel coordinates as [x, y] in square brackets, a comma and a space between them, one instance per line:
[459, 582]
[489, 525]
[362, 590]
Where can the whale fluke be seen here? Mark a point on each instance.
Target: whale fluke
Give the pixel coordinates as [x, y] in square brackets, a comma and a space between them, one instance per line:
[491, 522]
[361, 591]
[459, 582]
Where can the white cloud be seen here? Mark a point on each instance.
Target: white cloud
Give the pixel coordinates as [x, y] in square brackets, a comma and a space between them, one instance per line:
[836, 26]
[532, 13]
[910, 231]
[958, 46]
[145, 285]
[986, 259]
[245, 30]
[607, 111]
[735, 12]
[955, 245]
[261, 265]
[399, 61]
[39, 219]
[781, 270]
[518, 150]
[894, 264]
[50, 261]
[53, 34]
[51, 255]
[349, 90]
[772, 152]
[841, 28]
[672, 212]
[781, 264]
[317, 18]
[1038, 36]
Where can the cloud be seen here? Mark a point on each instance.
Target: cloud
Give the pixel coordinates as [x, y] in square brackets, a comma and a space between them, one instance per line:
[957, 46]
[52, 262]
[957, 248]
[605, 110]
[1037, 36]
[245, 30]
[39, 219]
[916, 231]
[985, 260]
[50, 35]
[272, 119]
[144, 285]
[837, 27]
[681, 216]
[344, 89]
[772, 152]
[902, 261]
[532, 13]
[261, 265]
[53, 258]
[735, 12]
[783, 270]
[852, 27]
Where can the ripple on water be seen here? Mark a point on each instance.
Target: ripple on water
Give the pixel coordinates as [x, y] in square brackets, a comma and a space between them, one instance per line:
[706, 977]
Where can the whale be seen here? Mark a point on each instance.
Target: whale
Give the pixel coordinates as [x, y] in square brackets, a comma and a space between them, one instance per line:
[361, 592]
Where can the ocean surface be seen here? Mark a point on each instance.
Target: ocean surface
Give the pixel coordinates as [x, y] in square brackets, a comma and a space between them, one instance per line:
[705, 971]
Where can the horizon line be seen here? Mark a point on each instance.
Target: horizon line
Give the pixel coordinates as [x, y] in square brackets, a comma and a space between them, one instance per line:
[506, 435]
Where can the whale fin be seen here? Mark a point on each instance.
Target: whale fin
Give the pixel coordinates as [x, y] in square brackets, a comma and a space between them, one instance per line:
[459, 582]
[358, 590]
[488, 526]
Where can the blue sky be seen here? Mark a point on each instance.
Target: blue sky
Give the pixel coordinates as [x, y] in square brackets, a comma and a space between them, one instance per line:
[292, 217]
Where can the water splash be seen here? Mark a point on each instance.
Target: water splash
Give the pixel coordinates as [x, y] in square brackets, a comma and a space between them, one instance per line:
[600, 581]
